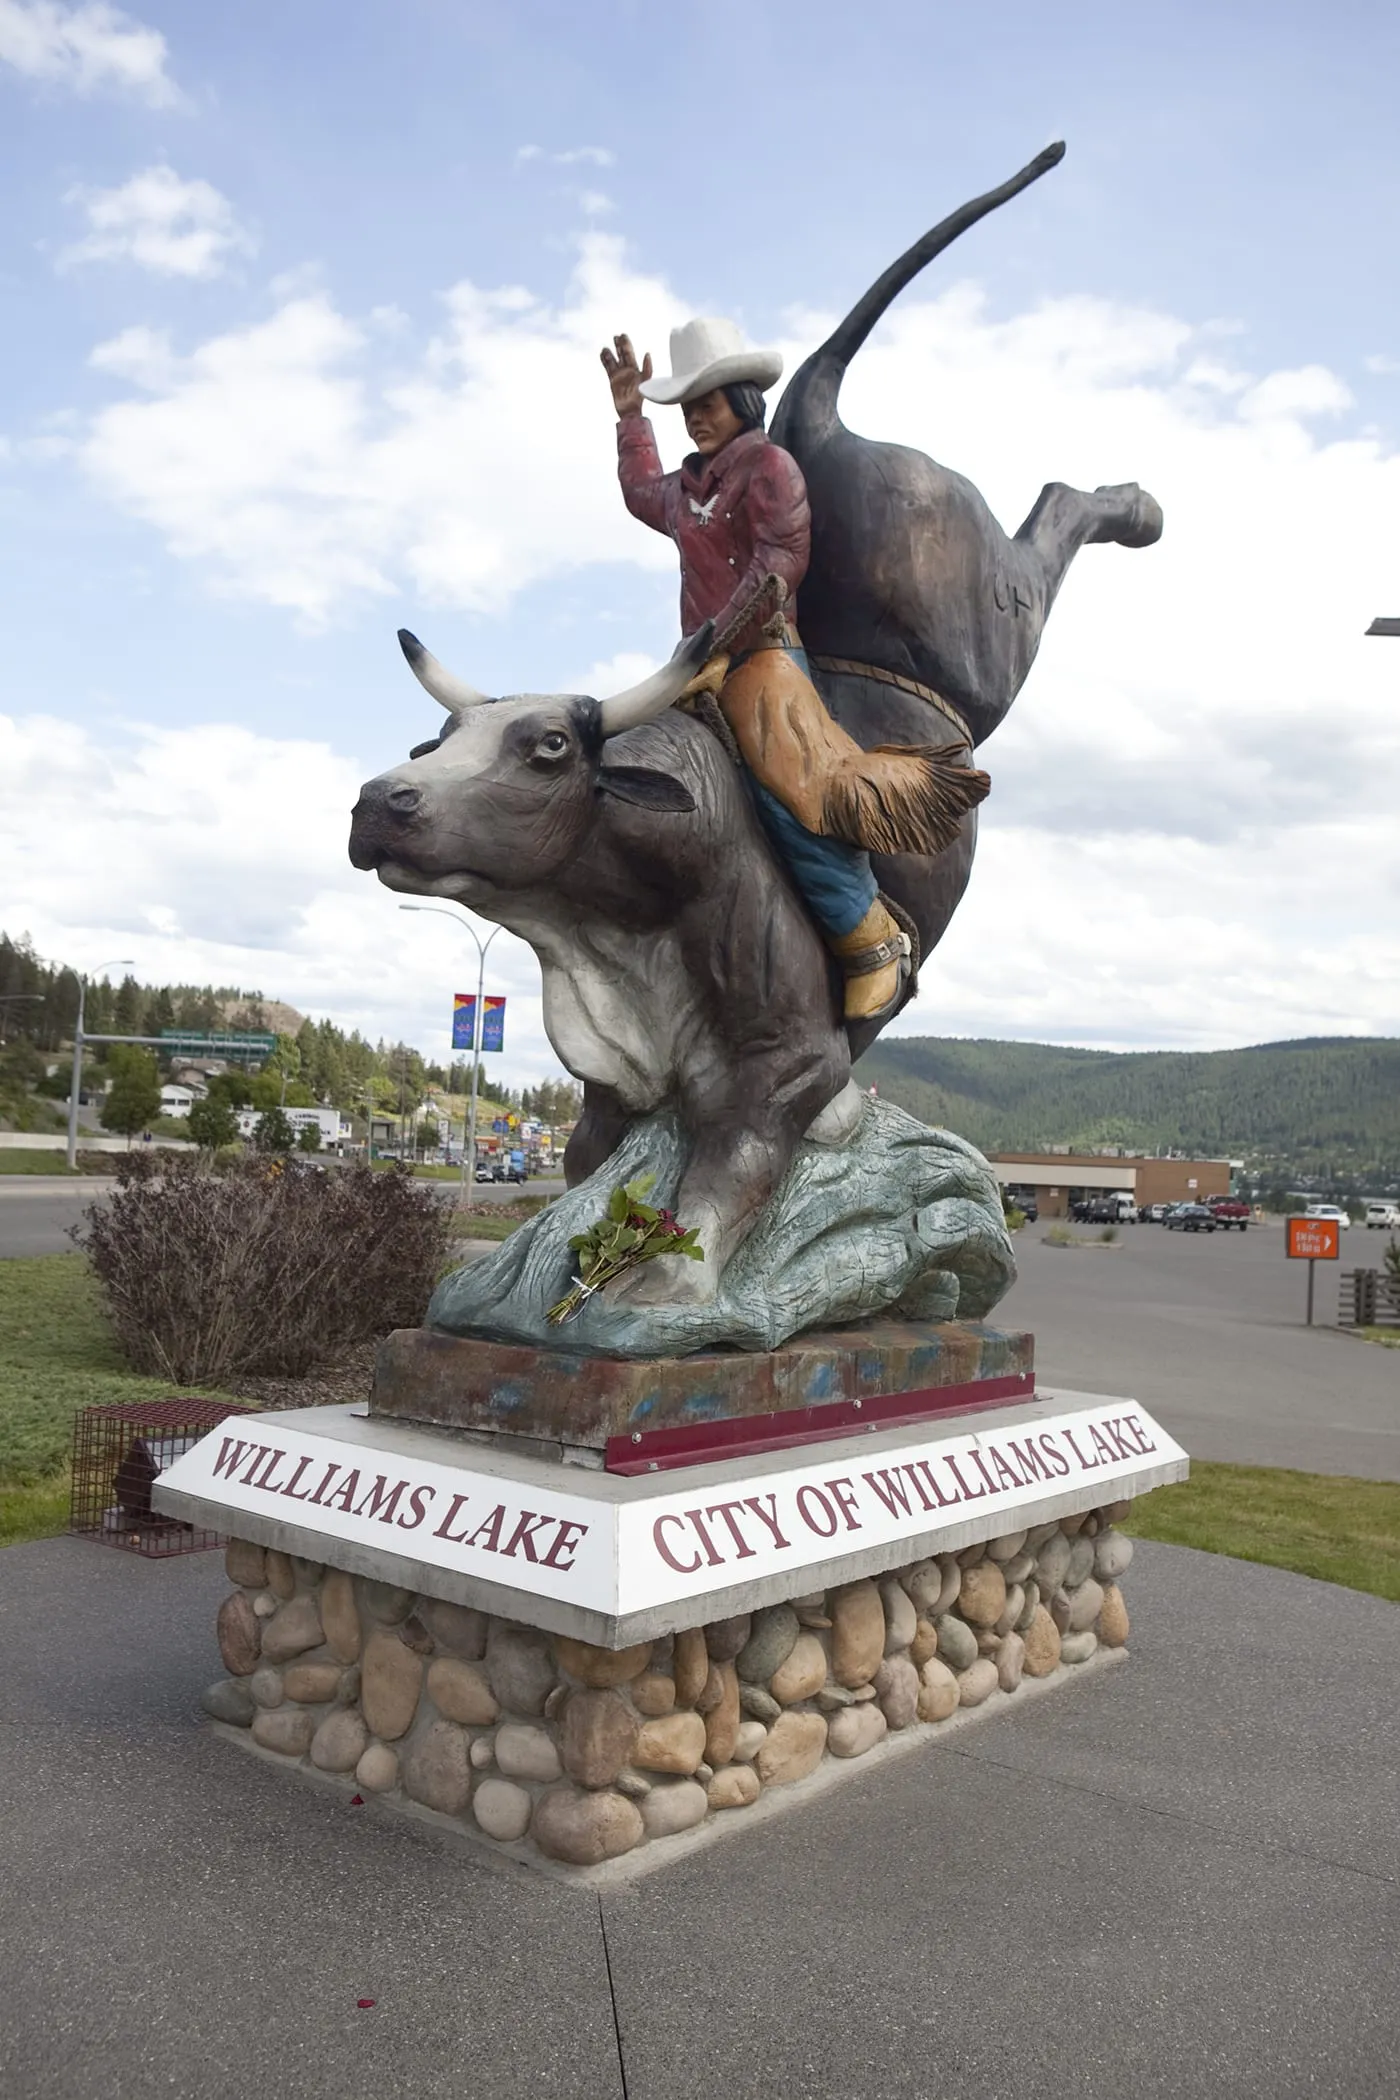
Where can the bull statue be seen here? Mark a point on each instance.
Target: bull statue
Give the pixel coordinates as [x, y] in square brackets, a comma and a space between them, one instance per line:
[682, 973]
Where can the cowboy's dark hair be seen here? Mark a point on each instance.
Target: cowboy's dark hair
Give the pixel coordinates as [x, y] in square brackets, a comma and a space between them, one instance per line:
[747, 402]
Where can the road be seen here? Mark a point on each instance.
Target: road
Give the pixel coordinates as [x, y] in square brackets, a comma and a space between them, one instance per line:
[36, 1212]
[1206, 1329]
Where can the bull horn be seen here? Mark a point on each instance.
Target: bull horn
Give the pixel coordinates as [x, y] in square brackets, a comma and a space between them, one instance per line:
[644, 702]
[452, 693]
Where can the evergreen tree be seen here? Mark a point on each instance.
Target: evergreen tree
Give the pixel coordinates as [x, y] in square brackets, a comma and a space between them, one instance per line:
[133, 1099]
[213, 1124]
[274, 1133]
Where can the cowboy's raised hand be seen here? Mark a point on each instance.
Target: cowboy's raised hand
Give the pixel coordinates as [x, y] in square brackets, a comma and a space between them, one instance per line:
[623, 375]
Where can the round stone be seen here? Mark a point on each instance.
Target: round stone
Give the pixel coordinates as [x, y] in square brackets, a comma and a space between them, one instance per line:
[415, 1635]
[1018, 1569]
[1112, 1553]
[671, 1743]
[722, 1718]
[502, 1809]
[292, 1629]
[1078, 1647]
[280, 1579]
[520, 1668]
[230, 1700]
[339, 1616]
[1011, 1661]
[383, 1602]
[924, 1643]
[678, 1806]
[311, 1683]
[460, 1692]
[584, 1828]
[938, 1691]
[1032, 1599]
[456, 1628]
[737, 1786]
[526, 1752]
[1112, 1628]
[749, 1741]
[653, 1694]
[1042, 1643]
[264, 1604]
[1084, 1606]
[758, 1704]
[1060, 1609]
[340, 1741]
[901, 1619]
[923, 1584]
[897, 1690]
[978, 1683]
[635, 1785]
[245, 1564]
[856, 1730]
[982, 1598]
[483, 1752]
[772, 1637]
[1052, 1563]
[1072, 1526]
[725, 1637]
[957, 1643]
[691, 1665]
[1015, 1605]
[857, 1633]
[437, 1768]
[596, 1734]
[1081, 1562]
[601, 1668]
[378, 1769]
[240, 1636]
[265, 1684]
[391, 1677]
[803, 1674]
[952, 1583]
[1007, 1547]
[970, 1555]
[1039, 1533]
[795, 1743]
[1115, 1512]
[285, 1729]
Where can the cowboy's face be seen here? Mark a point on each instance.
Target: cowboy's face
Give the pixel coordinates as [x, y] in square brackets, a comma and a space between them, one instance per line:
[711, 422]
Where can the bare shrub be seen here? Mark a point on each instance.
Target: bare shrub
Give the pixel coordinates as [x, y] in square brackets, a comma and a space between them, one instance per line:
[268, 1267]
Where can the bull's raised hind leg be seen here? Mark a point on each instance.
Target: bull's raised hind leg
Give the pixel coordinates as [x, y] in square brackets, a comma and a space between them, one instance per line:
[1064, 519]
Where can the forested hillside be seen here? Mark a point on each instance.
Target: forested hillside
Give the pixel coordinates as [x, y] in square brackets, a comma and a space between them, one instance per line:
[1326, 1104]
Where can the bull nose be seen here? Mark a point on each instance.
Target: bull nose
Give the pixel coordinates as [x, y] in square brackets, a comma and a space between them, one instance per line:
[378, 818]
[403, 799]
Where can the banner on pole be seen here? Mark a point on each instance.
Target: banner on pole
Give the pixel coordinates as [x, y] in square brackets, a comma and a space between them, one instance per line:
[464, 1021]
[493, 1024]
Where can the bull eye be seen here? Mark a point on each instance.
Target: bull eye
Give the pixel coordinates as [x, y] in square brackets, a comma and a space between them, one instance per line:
[553, 744]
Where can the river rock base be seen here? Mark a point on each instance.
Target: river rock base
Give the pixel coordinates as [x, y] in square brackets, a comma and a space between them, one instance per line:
[551, 1749]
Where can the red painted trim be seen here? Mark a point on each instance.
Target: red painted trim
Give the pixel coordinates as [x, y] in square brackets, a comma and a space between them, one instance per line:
[741, 1436]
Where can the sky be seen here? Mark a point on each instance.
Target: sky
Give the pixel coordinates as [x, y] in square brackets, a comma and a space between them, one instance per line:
[299, 319]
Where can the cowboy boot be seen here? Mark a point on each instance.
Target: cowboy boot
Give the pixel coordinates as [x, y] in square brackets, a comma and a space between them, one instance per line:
[875, 958]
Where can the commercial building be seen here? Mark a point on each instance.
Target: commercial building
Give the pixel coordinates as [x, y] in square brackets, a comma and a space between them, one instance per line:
[1057, 1179]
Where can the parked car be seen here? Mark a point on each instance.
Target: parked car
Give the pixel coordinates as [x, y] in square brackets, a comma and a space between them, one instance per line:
[1328, 1210]
[1030, 1209]
[1189, 1217]
[1152, 1213]
[1384, 1215]
[484, 1174]
[1228, 1211]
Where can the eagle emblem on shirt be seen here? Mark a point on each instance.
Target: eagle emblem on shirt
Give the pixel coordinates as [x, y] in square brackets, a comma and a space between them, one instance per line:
[704, 512]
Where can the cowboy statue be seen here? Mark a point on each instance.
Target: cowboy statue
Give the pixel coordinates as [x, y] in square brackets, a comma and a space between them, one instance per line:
[737, 510]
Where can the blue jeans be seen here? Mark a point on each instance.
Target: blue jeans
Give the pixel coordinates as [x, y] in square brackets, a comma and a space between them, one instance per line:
[833, 879]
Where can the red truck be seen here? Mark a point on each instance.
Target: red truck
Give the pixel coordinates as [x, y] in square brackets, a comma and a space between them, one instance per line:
[1228, 1211]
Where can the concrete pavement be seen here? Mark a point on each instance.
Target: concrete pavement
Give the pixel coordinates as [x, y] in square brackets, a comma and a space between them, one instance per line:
[1180, 1878]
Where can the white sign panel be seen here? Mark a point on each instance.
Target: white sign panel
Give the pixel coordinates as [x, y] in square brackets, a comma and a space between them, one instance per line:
[662, 1541]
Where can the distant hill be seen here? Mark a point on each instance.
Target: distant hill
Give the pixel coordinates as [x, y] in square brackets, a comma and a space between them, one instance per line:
[1331, 1103]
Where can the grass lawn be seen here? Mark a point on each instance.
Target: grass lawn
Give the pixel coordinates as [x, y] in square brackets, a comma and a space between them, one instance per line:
[1339, 1530]
[21, 1159]
[1388, 1337]
[56, 1356]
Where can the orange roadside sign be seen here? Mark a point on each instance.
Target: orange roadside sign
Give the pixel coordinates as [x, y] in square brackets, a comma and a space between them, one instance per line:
[1313, 1239]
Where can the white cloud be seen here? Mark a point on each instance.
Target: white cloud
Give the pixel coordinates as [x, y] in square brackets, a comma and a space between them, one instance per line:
[161, 223]
[1190, 836]
[214, 855]
[86, 48]
[1384, 367]
[570, 157]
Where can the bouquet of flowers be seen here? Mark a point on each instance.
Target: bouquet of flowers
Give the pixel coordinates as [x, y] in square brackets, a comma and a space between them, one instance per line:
[630, 1233]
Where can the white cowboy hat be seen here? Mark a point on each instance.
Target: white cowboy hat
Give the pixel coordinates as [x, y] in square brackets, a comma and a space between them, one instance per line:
[707, 354]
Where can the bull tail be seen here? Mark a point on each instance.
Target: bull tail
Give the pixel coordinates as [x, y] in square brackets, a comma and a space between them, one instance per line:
[807, 411]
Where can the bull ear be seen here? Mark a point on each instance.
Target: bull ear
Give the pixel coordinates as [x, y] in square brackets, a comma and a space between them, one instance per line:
[647, 788]
[422, 750]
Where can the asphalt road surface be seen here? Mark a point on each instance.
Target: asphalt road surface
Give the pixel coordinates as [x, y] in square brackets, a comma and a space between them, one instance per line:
[1206, 1329]
[35, 1212]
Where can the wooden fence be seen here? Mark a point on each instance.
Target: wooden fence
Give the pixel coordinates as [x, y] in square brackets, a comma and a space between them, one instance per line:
[1368, 1298]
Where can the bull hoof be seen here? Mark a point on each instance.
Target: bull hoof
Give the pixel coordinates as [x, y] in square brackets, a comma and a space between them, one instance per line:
[1140, 524]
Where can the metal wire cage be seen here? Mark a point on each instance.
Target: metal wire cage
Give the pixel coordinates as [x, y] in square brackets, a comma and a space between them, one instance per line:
[118, 1454]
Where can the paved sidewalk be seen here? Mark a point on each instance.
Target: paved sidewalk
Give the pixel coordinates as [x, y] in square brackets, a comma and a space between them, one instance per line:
[1179, 1878]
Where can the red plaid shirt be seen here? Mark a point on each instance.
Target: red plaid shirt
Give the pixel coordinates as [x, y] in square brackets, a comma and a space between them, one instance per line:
[736, 518]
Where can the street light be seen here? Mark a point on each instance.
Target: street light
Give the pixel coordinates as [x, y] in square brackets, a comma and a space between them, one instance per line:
[118, 962]
[469, 1146]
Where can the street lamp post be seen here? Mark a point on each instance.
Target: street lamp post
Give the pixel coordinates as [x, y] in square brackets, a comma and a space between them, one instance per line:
[469, 1142]
[118, 962]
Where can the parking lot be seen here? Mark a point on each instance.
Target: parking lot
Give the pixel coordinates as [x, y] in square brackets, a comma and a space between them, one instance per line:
[1207, 1330]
